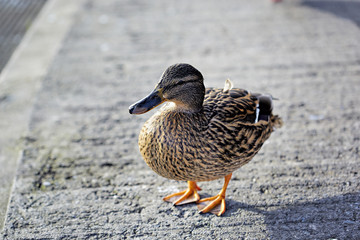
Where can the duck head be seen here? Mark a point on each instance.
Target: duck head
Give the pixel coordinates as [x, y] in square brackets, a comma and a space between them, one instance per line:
[180, 83]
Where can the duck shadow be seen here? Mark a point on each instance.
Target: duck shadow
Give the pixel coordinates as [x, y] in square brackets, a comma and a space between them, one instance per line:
[344, 9]
[335, 217]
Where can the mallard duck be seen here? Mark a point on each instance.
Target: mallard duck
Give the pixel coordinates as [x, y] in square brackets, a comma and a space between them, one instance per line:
[201, 134]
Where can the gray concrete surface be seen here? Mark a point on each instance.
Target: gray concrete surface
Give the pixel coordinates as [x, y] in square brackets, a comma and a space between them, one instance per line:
[81, 175]
[20, 82]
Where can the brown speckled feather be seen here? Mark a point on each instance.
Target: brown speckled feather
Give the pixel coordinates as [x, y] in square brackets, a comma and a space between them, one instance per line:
[209, 144]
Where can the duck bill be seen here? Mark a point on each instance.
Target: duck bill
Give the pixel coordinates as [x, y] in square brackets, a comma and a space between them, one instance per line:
[146, 104]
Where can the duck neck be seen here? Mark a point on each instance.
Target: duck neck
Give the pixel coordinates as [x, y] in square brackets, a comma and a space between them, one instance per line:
[192, 100]
[189, 108]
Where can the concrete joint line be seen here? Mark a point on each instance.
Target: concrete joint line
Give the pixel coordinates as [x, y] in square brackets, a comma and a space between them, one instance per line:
[20, 81]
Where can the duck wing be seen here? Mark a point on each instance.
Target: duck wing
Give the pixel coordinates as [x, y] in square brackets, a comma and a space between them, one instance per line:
[238, 124]
[237, 105]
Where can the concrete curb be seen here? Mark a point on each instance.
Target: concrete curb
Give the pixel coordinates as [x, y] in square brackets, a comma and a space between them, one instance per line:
[20, 81]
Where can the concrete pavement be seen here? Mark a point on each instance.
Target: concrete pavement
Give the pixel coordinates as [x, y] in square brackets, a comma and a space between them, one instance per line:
[81, 175]
[20, 82]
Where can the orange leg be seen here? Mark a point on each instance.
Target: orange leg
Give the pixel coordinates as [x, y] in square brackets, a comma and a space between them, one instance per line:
[215, 204]
[188, 196]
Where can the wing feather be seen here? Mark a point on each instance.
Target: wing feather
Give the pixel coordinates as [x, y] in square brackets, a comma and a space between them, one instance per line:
[235, 105]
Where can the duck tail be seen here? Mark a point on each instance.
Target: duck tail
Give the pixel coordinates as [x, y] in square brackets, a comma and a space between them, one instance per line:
[276, 121]
[265, 108]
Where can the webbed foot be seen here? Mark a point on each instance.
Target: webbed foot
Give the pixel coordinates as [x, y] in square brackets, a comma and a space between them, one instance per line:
[187, 196]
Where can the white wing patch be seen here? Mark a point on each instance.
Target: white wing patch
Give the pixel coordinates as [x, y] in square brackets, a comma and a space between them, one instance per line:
[257, 113]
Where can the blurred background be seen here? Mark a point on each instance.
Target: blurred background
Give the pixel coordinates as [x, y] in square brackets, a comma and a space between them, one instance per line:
[16, 17]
